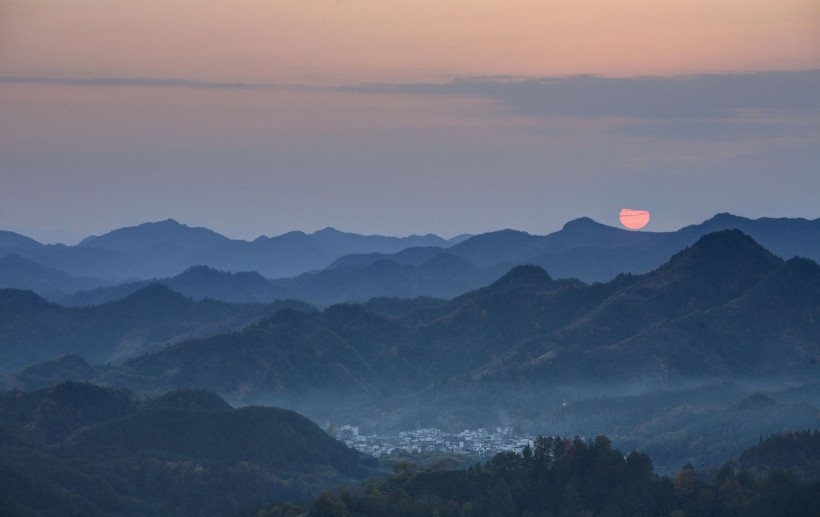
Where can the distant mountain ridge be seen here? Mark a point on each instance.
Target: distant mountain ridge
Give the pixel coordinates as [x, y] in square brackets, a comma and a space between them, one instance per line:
[162, 233]
[594, 252]
[330, 266]
[15, 240]
[164, 248]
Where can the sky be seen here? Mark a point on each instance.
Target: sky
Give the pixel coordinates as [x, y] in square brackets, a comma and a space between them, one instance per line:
[258, 117]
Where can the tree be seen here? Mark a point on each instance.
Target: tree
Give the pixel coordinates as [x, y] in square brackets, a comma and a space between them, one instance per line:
[501, 501]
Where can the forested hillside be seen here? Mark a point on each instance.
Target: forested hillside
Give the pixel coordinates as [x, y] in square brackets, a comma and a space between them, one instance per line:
[33, 330]
[569, 477]
[78, 449]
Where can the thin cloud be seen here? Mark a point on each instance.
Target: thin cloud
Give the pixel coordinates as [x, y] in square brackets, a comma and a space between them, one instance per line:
[696, 97]
[151, 82]
[699, 107]
[650, 98]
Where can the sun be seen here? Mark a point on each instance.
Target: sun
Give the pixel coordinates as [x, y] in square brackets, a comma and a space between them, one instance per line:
[634, 219]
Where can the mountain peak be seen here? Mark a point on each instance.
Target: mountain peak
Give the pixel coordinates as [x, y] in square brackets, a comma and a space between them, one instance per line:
[189, 398]
[155, 234]
[521, 276]
[200, 270]
[328, 230]
[583, 223]
[726, 256]
[723, 241]
[726, 217]
[155, 292]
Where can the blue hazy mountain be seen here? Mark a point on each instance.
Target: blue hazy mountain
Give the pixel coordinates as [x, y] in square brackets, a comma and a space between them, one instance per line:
[329, 266]
[197, 282]
[19, 272]
[12, 240]
[162, 234]
[593, 252]
[442, 275]
[675, 321]
[162, 249]
[33, 330]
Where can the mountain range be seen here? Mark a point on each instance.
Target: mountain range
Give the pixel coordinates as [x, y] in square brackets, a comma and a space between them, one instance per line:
[593, 252]
[329, 266]
[706, 313]
[666, 361]
[165, 248]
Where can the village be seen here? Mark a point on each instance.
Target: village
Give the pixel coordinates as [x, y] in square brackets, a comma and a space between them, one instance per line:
[481, 442]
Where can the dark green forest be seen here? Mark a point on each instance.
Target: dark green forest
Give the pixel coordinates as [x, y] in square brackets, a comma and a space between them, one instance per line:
[79, 449]
[576, 477]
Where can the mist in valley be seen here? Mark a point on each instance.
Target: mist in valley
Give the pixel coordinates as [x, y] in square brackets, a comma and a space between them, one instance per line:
[688, 366]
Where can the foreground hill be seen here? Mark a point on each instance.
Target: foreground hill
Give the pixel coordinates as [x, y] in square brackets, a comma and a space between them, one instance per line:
[797, 453]
[563, 476]
[81, 449]
[33, 330]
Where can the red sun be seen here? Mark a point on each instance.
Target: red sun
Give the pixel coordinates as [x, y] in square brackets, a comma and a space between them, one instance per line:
[634, 219]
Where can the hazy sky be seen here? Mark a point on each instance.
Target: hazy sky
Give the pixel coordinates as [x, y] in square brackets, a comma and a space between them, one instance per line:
[258, 117]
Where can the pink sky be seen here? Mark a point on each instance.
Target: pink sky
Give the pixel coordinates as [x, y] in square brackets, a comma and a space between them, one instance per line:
[99, 128]
[341, 41]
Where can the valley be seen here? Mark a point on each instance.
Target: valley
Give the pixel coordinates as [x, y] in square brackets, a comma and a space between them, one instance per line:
[690, 362]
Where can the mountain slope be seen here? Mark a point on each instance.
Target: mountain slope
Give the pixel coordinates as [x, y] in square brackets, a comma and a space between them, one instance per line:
[12, 240]
[443, 275]
[95, 450]
[704, 314]
[287, 357]
[33, 330]
[771, 330]
[17, 272]
[716, 269]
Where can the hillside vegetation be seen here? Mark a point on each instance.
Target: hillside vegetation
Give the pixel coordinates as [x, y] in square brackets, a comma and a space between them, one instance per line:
[78, 449]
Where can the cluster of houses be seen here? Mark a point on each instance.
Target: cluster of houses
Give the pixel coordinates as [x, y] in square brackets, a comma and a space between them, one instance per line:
[432, 440]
